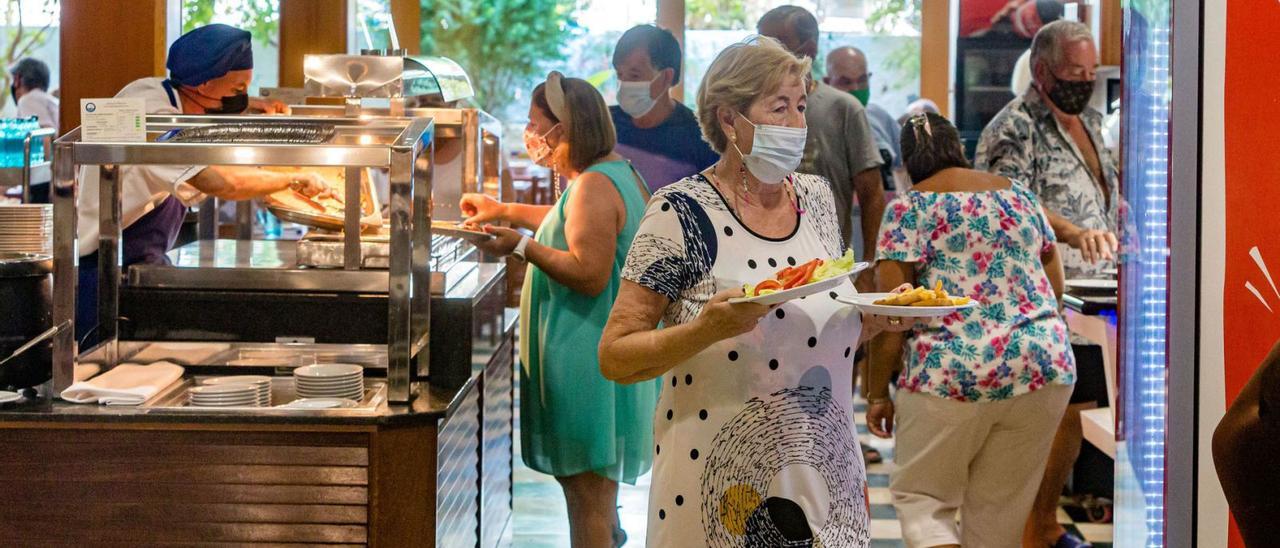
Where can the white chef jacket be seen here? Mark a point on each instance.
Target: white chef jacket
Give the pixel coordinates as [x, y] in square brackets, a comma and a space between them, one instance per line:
[40, 104]
[142, 187]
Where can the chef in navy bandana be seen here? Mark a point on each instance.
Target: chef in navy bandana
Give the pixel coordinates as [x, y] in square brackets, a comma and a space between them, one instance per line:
[210, 69]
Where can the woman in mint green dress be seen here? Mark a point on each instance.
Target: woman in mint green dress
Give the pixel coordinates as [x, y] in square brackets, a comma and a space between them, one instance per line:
[588, 432]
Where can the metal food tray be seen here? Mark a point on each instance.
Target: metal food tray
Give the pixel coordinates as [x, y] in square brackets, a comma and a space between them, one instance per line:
[290, 356]
[319, 250]
[375, 253]
[314, 220]
[174, 400]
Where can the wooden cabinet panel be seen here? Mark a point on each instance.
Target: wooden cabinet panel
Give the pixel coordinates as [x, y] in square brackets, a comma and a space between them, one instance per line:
[173, 486]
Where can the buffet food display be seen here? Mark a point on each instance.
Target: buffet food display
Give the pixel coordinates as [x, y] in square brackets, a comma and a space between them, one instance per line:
[401, 148]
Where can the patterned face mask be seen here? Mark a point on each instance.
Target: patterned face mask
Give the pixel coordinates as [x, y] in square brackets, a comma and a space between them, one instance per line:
[1071, 96]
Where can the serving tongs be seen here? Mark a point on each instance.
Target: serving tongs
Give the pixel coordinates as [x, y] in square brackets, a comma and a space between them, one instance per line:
[48, 334]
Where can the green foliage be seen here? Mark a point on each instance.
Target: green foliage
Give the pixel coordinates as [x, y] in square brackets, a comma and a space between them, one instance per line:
[501, 43]
[888, 15]
[260, 17]
[717, 15]
[19, 39]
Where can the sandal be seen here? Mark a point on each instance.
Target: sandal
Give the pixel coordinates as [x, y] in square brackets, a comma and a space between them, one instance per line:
[871, 455]
[1068, 540]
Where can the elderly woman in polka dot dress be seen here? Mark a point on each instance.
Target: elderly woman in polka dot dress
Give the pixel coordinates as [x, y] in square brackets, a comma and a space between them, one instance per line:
[755, 442]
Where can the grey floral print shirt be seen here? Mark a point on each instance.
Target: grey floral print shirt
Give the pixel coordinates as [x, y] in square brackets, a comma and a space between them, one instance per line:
[1025, 143]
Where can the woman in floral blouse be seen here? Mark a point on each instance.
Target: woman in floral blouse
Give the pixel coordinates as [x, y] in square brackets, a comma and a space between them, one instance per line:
[982, 390]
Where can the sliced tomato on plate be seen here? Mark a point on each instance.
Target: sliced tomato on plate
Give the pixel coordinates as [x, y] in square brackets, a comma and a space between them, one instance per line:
[767, 285]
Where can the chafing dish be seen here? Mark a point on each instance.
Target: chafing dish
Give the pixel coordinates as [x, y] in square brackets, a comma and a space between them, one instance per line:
[468, 141]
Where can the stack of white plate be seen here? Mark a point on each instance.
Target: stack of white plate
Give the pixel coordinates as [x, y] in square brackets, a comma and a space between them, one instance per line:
[330, 380]
[223, 395]
[26, 228]
[261, 385]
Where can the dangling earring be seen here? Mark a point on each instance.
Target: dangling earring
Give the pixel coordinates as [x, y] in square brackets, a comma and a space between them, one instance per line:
[742, 172]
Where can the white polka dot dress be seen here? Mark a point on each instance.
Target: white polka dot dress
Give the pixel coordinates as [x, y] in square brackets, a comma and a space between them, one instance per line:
[755, 442]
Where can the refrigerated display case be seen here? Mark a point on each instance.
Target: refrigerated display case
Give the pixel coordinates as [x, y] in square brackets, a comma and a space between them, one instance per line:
[984, 70]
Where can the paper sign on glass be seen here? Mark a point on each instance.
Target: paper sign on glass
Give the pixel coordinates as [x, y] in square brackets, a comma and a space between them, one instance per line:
[113, 120]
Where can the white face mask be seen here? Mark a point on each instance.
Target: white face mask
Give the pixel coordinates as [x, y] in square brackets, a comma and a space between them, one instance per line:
[634, 98]
[776, 152]
[536, 145]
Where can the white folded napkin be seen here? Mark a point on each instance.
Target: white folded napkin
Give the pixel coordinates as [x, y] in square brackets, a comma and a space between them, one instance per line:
[126, 384]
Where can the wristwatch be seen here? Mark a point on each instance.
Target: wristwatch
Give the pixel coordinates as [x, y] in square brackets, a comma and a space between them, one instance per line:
[518, 252]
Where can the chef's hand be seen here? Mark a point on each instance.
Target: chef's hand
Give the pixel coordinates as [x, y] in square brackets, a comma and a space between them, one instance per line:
[267, 106]
[481, 208]
[1095, 245]
[310, 184]
[880, 418]
[723, 320]
[503, 242]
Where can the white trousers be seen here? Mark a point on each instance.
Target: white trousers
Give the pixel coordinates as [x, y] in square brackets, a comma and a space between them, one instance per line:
[982, 460]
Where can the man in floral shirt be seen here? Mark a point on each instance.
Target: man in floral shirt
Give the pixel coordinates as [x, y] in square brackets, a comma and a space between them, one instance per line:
[1050, 140]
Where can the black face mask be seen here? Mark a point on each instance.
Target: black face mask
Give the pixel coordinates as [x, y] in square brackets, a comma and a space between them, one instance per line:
[1071, 96]
[231, 104]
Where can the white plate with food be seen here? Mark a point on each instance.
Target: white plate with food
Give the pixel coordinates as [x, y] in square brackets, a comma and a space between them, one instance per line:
[1093, 285]
[469, 233]
[802, 280]
[916, 303]
[7, 396]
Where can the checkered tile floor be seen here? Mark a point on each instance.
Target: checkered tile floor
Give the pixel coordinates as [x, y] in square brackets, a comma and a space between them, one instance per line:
[540, 518]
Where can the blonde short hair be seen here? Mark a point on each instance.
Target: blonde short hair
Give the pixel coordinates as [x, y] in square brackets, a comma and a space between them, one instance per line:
[589, 129]
[741, 74]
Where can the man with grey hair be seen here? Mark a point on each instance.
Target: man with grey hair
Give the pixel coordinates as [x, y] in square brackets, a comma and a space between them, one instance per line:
[1050, 140]
[840, 144]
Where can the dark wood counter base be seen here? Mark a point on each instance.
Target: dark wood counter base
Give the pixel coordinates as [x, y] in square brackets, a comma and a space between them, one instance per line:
[436, 472]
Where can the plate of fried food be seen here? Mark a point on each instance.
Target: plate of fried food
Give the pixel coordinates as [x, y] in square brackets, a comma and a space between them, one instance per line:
[920, 302]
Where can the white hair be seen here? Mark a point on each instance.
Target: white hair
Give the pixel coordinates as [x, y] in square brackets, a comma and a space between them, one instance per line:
[1052, 39]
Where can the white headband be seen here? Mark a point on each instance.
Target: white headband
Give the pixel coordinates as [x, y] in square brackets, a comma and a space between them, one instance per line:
[555, 96]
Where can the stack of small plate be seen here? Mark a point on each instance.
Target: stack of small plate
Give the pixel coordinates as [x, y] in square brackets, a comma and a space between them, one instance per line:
[330, 380]
[261, 385]
[26, 228]
[223, 395]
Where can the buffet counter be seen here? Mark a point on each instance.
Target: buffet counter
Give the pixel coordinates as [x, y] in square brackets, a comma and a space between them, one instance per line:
[435, 471]
[1093, 317]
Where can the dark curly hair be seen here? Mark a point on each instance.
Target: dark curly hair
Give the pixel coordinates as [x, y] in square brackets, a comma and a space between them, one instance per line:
[930, 144]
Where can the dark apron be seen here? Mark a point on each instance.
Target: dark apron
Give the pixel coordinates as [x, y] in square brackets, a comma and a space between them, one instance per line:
[145, 241]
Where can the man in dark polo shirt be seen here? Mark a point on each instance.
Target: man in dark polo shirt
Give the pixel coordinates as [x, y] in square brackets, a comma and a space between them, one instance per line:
[656, 133]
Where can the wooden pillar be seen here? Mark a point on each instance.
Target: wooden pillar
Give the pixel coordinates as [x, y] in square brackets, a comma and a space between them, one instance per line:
[1110, 44]
[671, 17]
[407, 17]
[935, 53]
[310, 26]
[105, 44]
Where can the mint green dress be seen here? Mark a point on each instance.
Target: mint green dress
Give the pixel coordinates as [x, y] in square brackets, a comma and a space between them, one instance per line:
[572, 419]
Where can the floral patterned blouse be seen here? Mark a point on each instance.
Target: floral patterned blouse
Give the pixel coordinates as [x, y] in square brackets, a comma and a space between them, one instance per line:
[984, 245]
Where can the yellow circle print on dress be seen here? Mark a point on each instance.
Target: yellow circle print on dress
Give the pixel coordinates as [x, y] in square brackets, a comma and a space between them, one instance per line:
[736, 506]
